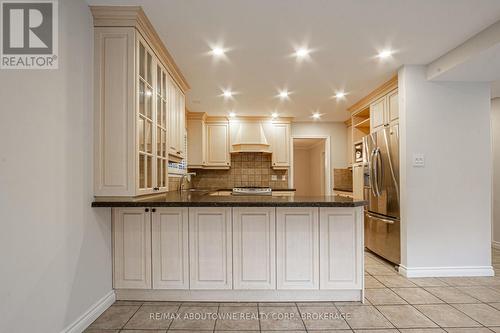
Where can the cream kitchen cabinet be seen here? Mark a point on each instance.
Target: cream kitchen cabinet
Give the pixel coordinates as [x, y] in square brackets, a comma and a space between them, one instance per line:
[341, 248]
[254, 248]
[134, 75]
[297, 248]
[170, 248]
[358, 181]
[280, 145]
[177, 121]
[393, 105]
[384, 111]
[210, 248]
[217, 144]
[196, 139]
[131, 248]
[378, 114]
[208, 141]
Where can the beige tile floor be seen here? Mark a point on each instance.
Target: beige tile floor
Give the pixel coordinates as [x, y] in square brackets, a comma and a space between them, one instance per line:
[393, 304]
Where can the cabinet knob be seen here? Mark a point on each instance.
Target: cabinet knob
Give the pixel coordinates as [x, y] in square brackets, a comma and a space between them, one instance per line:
[153, 210]
[156, 188]
[146, 210]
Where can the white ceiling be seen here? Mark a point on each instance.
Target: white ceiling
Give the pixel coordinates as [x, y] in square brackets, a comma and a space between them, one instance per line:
[344, 35]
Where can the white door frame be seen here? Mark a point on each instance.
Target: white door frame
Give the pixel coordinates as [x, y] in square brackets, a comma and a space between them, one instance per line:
[328, 174]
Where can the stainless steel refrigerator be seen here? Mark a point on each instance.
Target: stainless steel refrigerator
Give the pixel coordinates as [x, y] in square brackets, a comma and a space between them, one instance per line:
[382, 220]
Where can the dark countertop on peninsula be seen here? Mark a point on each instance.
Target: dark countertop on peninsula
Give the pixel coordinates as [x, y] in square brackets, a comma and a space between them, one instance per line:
[203, 199]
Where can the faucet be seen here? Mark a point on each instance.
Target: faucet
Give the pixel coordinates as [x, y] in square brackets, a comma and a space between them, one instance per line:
[188, 175]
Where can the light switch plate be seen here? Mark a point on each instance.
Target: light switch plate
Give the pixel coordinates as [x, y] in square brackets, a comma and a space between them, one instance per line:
[418, 160]
[274, 177]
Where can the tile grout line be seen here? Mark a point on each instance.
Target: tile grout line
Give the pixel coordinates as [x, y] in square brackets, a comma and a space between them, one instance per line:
[132, 316]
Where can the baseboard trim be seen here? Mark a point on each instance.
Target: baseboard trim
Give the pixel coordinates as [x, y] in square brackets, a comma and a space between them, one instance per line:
[231, 295]
[414, 272]
[495, 245]
[79, 325]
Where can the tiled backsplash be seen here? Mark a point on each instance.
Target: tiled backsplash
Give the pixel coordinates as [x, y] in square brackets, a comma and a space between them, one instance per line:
[342, 179]
[247, 169]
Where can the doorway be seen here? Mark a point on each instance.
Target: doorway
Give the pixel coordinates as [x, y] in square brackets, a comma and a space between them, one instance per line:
[310, 165]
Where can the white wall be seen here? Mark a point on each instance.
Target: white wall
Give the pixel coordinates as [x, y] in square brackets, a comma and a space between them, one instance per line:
[495, 126]
[445, 206]
[338, 140]
[55, 250]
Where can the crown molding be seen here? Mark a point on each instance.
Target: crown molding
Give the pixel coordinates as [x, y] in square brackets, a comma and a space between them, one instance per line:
[134, 16]
[380, 91]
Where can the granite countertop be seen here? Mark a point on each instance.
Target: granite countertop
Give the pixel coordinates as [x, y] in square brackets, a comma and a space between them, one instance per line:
[203, 199]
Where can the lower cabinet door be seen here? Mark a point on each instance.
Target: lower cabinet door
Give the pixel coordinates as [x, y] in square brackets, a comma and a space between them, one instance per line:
[210, 248]
[341, 251]
[254, 248]
[131, 248]
[170, 248]
[297, 248]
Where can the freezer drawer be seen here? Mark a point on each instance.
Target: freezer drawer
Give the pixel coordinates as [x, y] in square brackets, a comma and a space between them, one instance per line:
[382, 236]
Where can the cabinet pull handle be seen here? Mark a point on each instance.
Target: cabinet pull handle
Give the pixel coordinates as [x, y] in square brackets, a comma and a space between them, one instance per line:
[146, 210]
[156, 188]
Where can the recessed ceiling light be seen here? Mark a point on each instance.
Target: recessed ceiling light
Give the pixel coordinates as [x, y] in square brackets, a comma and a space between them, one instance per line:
[227, 93]
[232, 114]
[340, 94]
[284, 94]
[217, 51]
[274, 115]
[302, 52]
[316, 115]
[384, 54]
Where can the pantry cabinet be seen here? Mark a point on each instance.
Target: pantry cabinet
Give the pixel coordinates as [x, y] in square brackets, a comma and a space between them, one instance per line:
[210, 248]
[254, 248]
[170, 248]
[137, 89]
[297, 248]
[280, 146]
[132, 248]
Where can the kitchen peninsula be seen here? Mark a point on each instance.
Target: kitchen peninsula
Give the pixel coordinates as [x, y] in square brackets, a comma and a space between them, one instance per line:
[192, 245]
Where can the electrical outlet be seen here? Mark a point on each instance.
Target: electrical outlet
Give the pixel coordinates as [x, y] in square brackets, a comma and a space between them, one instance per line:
[283, 177]
[274, 177]
[418, 160]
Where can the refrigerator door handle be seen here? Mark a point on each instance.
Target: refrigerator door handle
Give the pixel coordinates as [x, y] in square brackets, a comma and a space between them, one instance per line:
[377, 171]
[372, 172]
[381, 219]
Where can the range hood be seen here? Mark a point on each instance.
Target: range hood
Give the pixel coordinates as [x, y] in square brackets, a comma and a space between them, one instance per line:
[250, 138]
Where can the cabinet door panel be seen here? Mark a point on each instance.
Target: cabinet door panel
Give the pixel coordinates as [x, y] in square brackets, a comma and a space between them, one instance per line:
[393, 104]
[170, 248]
[217, 144]
[114, 111]
[132, 248]
[297, 248]
[377, 114]
[254, 248]
[341, 250]
[281, 146]
[210, 248]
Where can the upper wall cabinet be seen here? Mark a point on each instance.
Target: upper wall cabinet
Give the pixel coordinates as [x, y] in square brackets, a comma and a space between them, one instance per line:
[208, 141]
[137, 90]
[280, 146]
[384, 110]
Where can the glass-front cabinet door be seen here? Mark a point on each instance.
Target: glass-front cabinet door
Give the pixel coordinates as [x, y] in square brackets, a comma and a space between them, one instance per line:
[145, 117]
[161, 128]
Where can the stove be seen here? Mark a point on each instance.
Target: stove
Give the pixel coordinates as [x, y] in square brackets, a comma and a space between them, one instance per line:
[252, 191]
